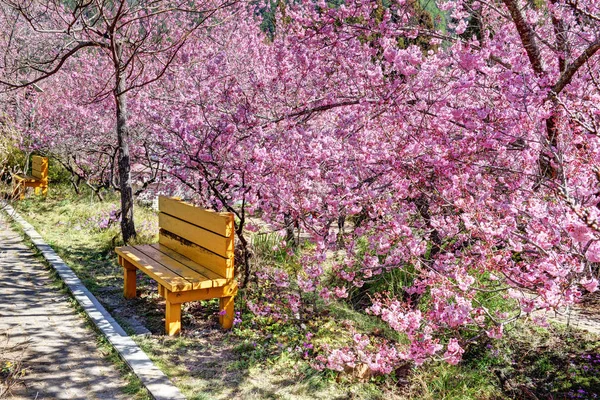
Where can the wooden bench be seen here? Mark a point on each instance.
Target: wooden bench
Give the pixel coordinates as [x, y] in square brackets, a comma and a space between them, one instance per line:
[193, 260]
[37, 180]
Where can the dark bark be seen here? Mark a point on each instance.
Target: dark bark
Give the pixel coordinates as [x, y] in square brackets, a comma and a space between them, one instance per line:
[341, 223]
[75, 182]
[573, 67]
[127, 224]
[547, 160]
[289, 223]
[526, 34]
[422, 204]
[245, 249]
[560, 40]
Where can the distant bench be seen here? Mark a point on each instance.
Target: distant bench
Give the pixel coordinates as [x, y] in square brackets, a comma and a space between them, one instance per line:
[193, 260]
[38, 178]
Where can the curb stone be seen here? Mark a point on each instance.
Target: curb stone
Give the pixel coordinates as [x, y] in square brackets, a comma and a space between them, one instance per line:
[157, 383]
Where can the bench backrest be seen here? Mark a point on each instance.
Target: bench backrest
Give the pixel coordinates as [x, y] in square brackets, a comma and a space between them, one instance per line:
[203, 236]
[39, 167]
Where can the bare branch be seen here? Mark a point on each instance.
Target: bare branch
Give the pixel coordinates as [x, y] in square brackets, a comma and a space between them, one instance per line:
[573, 67]
[48, 73]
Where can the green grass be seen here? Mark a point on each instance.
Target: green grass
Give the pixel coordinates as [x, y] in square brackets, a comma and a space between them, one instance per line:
[529, 362]
[443, 381]
[363, 322]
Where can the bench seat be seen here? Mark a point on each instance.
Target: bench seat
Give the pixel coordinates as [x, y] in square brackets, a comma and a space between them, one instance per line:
[172, 270]
[26, 178]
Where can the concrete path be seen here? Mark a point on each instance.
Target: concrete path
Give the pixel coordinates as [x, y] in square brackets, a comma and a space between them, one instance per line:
[61, 356]
[580, 317]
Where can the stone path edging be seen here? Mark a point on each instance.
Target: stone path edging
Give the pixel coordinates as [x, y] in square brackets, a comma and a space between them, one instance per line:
[151, 377]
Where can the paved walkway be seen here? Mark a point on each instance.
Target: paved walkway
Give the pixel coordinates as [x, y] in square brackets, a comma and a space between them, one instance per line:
[579, 317]
[62, 359]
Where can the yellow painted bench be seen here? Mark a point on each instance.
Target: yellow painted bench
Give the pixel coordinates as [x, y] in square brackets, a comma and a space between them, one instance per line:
[193, 260]
[37, 180]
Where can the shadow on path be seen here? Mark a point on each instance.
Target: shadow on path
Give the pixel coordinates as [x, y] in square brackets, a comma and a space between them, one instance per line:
[62, 360]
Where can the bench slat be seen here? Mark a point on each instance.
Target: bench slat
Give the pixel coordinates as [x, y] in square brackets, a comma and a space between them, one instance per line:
[210, 241]
[26, 178]
[193, 275]
[218, 280]
[218, 264]
[202, 294]
[159, 273]
[39, 161]
[39, 174]
[219, 223]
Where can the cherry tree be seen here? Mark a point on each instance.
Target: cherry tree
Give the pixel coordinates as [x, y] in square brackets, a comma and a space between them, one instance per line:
[137, 40]
[466, 153]
[69, 123]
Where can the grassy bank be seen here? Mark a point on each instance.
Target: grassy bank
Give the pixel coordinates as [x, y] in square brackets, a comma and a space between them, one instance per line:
[257, 360]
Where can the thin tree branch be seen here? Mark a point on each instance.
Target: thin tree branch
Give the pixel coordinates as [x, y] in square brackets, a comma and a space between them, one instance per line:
[527, 36]
[573, 67]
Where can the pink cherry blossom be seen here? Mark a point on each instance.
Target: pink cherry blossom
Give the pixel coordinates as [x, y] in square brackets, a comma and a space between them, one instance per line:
[454, 352]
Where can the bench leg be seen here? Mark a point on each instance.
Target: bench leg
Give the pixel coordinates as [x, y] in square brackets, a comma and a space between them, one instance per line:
[173, 318]
[37, 190]
[129, 286]
[18, 190]
[45, 191]
[226, 312]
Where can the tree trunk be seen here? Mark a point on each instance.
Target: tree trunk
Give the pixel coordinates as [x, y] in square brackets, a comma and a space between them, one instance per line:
[127, 225]
[289, 230]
